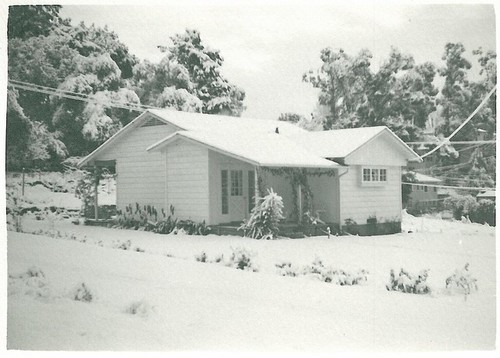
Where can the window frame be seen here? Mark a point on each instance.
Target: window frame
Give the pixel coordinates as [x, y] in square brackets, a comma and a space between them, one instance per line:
[377, 176]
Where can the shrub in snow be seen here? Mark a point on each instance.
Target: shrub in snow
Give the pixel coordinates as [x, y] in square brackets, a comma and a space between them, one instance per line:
[219, 258]
[323, 273]
[462, 281]
[123, 245]
[408, 283]
[242, 259]
[190, 227]
[461, 205]
[485, 212]
[141, 308]
[287, 269]
[82, 293]
[138, 249]
[32, 283]
[201, 257]
[265, 217]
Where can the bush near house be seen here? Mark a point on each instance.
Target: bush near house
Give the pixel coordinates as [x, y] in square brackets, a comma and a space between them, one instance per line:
[265, 217]
[480, 212]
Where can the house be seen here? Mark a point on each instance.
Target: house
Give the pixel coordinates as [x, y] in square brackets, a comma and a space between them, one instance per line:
[424, 194]
[487, 195]
[214, 168]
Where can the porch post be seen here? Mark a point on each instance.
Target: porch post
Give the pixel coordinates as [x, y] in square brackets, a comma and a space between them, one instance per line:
[299, 201]
[256, 186]
[96, 190]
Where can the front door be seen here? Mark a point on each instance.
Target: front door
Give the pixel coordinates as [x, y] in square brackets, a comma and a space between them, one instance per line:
[234, 196]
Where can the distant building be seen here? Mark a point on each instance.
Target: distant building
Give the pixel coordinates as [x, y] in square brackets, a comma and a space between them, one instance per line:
[487, 194]
[424, 197]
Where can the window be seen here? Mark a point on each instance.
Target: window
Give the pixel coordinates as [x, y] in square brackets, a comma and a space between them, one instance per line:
[374, 176]
[251, 190]
[224, 191]
[236, 182]
[383, 174]
[366, 174]
[425, 188]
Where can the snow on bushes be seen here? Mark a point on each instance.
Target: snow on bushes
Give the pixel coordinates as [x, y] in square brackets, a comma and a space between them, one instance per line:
[265, 217]
[33, 283]
[242, 259]
[140, 308]
[461, 281]
[323, 273]
[409, 283]
[82, 293]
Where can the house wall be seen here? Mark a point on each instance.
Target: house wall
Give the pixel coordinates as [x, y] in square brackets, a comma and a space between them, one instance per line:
[382, 150]
[281, 186]
[359, 202]
[187, 181]
[140, 174]
[423, 198]
[217, 162]
[325, 190]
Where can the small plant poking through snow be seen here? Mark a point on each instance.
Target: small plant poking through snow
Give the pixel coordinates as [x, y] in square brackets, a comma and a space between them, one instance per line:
[408, 283]
[323, 273]
[82, 293]
[123, 245]
[462, 281]
[265, 217]
[32, 283]
[201, 257]
[287, 269]
[242, 259]
[140, 308]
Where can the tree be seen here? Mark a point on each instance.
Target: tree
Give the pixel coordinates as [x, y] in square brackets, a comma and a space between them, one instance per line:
[456, 95]
[28, 142]
[399, 95]
[341, 80]
[189, 66]
[32, 20]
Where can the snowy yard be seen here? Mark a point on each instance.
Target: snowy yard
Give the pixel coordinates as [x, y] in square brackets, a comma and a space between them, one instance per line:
[189, 305]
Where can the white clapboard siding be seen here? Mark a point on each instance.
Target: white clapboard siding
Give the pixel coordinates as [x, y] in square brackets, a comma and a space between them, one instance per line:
[187, 180]
[382, 150]
[358, 202]
[140, 174]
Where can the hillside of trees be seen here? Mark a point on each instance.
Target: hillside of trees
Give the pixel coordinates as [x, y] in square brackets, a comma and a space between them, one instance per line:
[92, 63]
[88, 61]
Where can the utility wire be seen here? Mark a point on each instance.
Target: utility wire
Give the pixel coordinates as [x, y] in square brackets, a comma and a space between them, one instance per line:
[447, 139]
[77, 96]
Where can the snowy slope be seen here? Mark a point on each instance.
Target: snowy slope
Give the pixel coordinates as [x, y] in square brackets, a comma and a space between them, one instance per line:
[200, 306]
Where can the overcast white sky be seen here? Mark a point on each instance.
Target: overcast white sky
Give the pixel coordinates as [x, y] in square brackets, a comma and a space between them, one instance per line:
[267, 46]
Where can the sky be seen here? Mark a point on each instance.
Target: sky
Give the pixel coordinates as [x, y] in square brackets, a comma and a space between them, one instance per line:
[268, 46]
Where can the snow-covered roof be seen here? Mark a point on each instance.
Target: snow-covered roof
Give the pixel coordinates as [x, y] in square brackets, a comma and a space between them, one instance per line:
[339, 143]
[487, 194]
[265, 149]
[256, 140]
[211, 122]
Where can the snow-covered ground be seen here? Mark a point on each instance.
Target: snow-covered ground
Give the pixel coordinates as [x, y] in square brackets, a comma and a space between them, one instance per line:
[189, 305]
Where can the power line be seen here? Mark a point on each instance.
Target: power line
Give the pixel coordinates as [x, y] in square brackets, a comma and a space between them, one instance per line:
[447, 139]
[77, 96]
[455, 142]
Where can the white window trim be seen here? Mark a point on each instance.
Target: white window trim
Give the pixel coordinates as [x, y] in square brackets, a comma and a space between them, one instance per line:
[376, 182]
